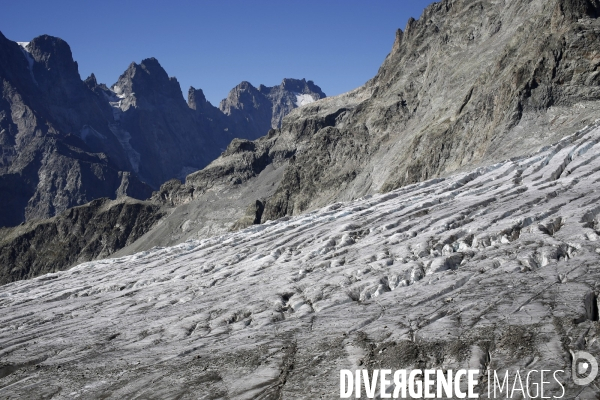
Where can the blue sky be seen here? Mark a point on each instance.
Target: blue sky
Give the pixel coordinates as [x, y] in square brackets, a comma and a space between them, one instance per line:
[214, 45]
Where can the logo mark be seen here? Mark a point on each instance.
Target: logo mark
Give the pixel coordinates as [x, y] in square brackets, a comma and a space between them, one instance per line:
[583, 364]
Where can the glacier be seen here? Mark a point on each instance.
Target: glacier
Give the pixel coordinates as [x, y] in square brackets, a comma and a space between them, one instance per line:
[493, 268]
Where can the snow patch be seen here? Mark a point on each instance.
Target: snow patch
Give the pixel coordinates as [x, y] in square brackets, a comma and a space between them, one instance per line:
[88, 131]
[118, 92]
[29, 58]
[303, 99]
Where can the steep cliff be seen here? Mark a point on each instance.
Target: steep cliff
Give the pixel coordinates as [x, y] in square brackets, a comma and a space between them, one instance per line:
[94, 230]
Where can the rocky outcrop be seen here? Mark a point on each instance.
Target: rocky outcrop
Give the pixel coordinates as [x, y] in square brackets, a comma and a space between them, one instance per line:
[162, 131]
[83, 233]
[210, 119]
[252, 216]
[290, 94]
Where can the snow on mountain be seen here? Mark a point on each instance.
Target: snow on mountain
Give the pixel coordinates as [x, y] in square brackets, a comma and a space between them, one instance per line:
[28, 56]
[493, 268]
[302, 99]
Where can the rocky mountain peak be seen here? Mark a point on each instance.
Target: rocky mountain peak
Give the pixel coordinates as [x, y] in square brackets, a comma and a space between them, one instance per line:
[149, 82]
[91, 81]
[54, 54]
[301, 86]
[398, 40]
[53, 67]
[196, 98]
[264, 108]
[16, 64]
[243, 96]
[197, 101]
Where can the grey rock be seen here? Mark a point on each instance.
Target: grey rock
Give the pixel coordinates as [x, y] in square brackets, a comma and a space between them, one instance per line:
[252, 216]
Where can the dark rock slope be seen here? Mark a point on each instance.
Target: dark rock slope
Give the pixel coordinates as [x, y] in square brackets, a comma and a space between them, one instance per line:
[151, 115]
[56, 149]
[94, 230]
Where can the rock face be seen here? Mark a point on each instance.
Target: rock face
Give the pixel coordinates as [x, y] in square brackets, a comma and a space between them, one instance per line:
[496, 267]
[151, 115]
[65, 142]
[254, 111]
[56, 150]
[468, 84]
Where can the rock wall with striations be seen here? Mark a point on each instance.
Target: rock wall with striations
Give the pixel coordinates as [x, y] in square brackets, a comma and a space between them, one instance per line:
[94, 230]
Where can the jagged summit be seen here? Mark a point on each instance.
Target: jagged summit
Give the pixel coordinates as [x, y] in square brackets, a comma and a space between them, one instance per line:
[91, 80]
[264, 107]
[196, 98]
[302, 86]
[148, 80]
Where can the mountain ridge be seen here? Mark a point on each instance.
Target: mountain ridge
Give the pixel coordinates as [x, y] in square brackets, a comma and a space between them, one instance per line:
[66, 141]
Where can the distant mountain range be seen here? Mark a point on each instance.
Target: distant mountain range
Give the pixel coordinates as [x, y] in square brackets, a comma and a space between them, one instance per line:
[65, 142]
